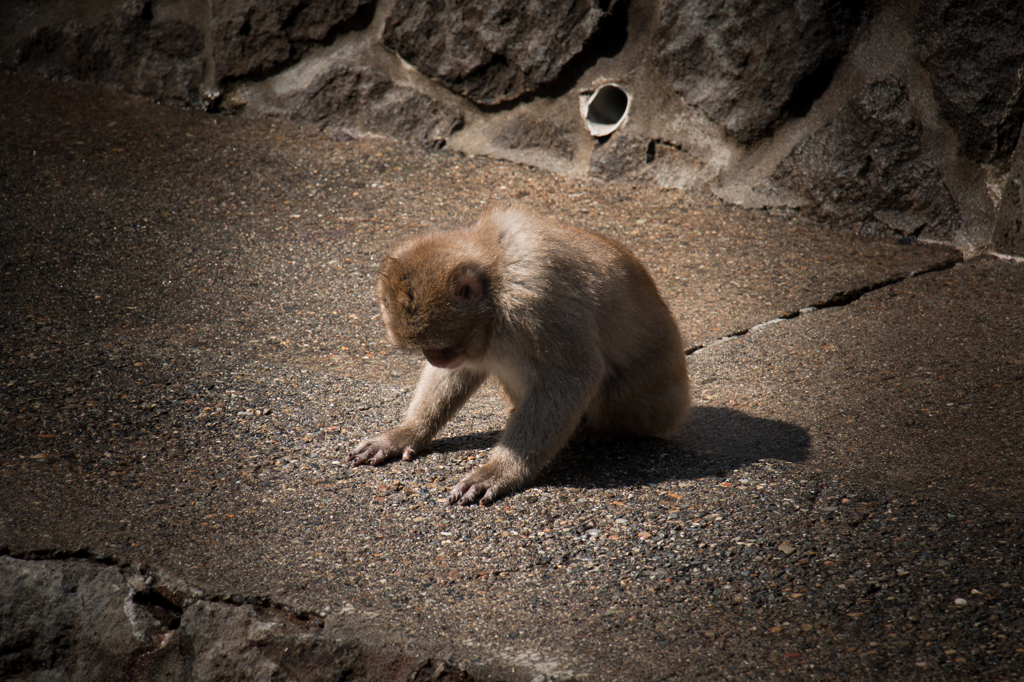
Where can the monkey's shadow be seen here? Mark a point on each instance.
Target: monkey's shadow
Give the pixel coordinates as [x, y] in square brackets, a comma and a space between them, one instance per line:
[714, 442]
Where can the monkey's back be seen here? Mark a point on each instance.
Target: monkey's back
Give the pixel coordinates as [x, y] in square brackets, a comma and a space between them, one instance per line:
[587, 277]
[586, 301]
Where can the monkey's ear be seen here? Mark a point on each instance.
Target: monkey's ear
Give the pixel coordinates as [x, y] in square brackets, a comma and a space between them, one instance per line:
[465, 287]
[405, 298]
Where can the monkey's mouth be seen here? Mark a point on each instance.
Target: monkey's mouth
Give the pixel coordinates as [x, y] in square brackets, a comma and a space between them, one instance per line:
[445, 358]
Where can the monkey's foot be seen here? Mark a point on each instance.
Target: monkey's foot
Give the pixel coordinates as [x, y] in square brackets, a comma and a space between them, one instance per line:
[483, 485]
[375, 451]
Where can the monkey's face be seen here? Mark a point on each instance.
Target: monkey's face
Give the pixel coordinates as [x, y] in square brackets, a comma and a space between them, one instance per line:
[436, 306]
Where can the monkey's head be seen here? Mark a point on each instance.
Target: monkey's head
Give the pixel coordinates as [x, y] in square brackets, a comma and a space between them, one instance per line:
[435, 298]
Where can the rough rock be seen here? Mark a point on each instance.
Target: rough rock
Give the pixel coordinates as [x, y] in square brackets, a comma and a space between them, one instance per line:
[158, 57]
[622, 156]
[864, 169]
[251, 39]
[890, 118]
[974, 52]
[345, 97]
[527, 132]
[637, 159]
[745, 63]
[1009, 232]
[497, 52]
[69, 619]
[236, 642]
[78, 619]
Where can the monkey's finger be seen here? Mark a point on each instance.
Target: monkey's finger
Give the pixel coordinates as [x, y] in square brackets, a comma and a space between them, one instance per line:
[379, 458]
[472, 494]
[358, 456]
[456, 494]
[493, 493]
[363, 453]
[408, 454]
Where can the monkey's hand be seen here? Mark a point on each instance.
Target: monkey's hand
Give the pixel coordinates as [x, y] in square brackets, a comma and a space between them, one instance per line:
[485, 484]
[387, 446]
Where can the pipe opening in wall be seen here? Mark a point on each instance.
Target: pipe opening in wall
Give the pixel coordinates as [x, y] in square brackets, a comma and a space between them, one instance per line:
[605, 110]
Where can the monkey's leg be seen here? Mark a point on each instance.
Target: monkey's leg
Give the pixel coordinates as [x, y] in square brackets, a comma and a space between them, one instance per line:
[649, 400]
[537, 430]
[438, 396]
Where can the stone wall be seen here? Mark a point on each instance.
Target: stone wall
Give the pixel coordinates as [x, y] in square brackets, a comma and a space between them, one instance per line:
[891, 118]
[78, 618]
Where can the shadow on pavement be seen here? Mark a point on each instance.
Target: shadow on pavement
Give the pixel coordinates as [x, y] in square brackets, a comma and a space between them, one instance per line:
[716, 441]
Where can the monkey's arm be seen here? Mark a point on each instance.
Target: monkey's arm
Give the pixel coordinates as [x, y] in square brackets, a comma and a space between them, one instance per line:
[438, 396]
[539, 427]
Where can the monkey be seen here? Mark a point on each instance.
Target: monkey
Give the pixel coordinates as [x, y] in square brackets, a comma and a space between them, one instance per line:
[569, 322]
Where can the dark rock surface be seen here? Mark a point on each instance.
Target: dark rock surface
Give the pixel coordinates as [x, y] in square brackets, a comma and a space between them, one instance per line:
[73, 619]
[538, 134]
[251, 39]
[865, 171]
[129, 47]
[623, 156]
[1009, 234]
[344, 98]
[493, 52]
[83, 619]
[744, 62]
[974, 54]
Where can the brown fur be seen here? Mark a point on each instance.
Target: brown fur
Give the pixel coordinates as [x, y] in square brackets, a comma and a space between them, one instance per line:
[569, 323]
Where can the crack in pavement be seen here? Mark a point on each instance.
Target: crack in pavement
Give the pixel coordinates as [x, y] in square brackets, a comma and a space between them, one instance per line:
[837, 300]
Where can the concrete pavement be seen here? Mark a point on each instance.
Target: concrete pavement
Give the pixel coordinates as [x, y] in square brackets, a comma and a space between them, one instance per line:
[190, 346]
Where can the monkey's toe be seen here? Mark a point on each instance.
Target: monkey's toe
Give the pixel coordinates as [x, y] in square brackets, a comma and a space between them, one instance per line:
[470, 491]
[360, 454]
[368, 453]
[360, 459]
[471, 495]
[462, 494]
[380, 458]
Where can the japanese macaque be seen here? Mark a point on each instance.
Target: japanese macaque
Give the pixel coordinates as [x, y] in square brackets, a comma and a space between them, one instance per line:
[569, 323]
